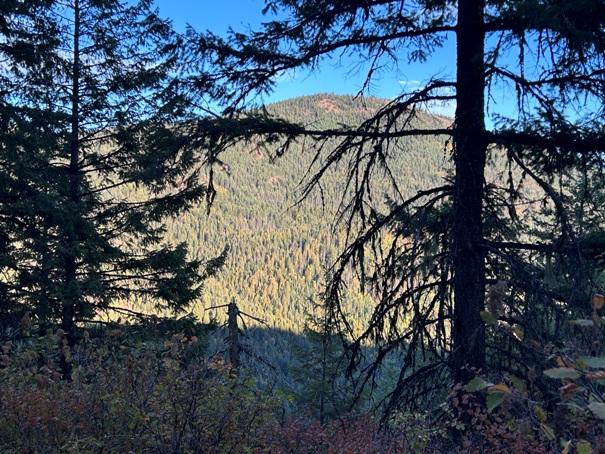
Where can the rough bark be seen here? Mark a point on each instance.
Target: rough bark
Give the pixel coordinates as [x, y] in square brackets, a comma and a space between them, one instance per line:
[470, 157]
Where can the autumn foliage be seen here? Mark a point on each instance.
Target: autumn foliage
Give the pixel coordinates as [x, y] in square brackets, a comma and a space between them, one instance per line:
[128, 394]
[150, 397]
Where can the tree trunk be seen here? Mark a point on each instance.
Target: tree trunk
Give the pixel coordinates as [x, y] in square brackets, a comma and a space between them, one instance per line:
[470, 157]
[71, 293]
[234, 346]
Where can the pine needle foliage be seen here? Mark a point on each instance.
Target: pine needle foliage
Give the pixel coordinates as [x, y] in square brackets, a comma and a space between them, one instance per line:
[428, 259]
[89, 162]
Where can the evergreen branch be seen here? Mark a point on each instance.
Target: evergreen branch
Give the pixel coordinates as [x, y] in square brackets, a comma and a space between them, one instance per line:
[578, 143]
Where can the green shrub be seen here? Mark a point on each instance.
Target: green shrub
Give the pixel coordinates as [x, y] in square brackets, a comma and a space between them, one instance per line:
[125, 398]
[506, 417]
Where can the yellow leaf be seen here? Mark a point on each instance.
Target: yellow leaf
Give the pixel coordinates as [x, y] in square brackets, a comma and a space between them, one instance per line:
[540, 413]
[517, 332]
[598, 300]
[499, 387]
[582, 322]
[583, 447]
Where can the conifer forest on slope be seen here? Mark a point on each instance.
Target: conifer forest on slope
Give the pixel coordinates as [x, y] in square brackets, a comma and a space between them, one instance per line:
[445, 305]
[280, 248]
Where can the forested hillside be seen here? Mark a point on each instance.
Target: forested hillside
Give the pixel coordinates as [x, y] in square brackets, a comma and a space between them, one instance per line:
[280, 248]
[412, 283]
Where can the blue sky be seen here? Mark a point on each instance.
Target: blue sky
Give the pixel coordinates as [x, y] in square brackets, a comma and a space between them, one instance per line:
[334, 77]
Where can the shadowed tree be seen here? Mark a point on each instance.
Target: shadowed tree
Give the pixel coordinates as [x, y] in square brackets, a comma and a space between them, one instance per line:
[325, 391]
[90, 167]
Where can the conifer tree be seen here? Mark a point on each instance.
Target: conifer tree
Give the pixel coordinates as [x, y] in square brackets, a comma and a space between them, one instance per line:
[432, 261]
[89, 164]
[325, 390]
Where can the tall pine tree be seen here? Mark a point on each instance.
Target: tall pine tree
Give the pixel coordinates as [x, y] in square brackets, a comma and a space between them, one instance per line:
[89, 164]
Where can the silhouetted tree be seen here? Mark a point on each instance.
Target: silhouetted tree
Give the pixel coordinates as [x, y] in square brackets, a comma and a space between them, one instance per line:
[89, 165]
[428, 260]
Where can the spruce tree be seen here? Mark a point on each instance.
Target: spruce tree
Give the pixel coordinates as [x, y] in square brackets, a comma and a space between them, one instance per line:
[513, 248]
[91, 164]
[324, 389]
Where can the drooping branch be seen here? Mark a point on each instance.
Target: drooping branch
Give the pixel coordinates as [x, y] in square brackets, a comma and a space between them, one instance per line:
[583, 142]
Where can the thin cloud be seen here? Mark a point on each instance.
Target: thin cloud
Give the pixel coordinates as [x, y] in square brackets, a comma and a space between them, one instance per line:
[410, 83]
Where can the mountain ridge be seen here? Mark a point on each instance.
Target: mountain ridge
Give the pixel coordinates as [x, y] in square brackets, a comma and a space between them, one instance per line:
[280, 249]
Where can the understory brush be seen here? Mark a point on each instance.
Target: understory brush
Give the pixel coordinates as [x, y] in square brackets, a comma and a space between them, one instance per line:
[128, 395]
[153, 397]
